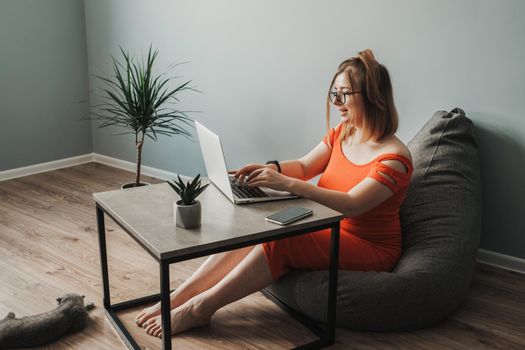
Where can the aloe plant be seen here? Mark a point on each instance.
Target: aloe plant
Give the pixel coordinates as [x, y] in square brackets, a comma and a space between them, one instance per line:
[138, 100]
[189, 191]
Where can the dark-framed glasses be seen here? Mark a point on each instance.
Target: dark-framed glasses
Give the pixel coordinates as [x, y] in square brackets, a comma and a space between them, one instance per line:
[339, 97]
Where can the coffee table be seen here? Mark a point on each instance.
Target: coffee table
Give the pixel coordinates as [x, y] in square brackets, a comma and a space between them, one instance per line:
[146, 214]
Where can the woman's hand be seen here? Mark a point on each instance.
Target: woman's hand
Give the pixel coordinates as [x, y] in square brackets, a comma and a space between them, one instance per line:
[245, 171]
[267, 177]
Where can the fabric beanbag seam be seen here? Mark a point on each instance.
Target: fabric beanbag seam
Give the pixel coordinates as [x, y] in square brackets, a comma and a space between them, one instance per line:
[434, 152]
[439, 141]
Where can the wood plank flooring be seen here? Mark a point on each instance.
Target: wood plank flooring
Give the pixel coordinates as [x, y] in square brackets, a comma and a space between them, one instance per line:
[49, 247]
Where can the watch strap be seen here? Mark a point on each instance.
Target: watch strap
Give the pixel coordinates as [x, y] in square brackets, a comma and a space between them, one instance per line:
[276, 164]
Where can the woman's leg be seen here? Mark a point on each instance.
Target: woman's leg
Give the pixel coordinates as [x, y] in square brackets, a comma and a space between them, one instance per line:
[207, 275]
[249, 276]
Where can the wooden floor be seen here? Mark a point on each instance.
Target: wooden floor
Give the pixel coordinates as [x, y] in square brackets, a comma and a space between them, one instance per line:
[49, 247]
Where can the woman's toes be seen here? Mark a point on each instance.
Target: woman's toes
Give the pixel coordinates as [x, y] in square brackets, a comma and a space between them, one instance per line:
[147, 313]
[150, 327]
[139, 320]
[153, 326]
[154, 330]
[157, 332]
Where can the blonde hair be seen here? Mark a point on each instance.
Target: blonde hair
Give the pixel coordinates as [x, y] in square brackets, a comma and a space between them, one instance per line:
[377, 115]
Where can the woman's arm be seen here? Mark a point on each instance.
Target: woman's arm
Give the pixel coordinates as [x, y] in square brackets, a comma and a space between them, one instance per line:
[309, 166]
[304, 168]
[366, 195]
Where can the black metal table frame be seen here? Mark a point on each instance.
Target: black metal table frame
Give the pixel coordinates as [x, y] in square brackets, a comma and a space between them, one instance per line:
[326, 336]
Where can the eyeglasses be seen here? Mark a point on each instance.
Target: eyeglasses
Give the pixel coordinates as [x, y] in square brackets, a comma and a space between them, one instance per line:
[340, 97]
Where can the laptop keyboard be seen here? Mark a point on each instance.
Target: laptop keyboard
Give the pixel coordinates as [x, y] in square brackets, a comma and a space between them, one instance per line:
[243, 191]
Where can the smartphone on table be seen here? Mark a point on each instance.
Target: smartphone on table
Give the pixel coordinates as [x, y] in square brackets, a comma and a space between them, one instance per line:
[289, 215]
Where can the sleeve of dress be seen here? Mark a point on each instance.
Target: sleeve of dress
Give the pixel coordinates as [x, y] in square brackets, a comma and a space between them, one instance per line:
[329, 138]
[395, 180]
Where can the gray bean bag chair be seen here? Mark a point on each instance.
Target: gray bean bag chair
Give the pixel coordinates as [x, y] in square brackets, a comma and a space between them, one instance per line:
[441, 222]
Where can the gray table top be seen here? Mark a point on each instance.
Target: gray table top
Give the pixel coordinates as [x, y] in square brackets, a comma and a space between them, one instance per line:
[147, 214]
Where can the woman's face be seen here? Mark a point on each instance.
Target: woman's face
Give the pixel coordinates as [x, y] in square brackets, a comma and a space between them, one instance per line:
[349, 108]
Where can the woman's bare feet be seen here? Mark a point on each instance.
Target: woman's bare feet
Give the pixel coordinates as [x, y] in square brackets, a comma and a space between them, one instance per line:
[209, 273]
[189, 315]
[147, 313]
[177, 298]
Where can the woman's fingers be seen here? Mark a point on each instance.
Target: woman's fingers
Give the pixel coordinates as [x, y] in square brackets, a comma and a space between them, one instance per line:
[242, 171]
[253, 175]
[235, 173]
[267, 178]
[257, 183]
[247, 172]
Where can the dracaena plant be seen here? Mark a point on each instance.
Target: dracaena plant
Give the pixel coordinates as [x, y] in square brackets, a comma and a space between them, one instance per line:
[188, 191]
[137, 99]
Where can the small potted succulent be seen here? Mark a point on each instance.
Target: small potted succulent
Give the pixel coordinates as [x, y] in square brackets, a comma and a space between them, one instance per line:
[187, 210]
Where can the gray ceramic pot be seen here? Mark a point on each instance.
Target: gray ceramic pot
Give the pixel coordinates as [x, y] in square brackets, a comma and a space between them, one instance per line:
[187, 216]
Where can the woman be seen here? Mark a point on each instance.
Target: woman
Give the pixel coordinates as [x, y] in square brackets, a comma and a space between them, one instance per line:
[366, 171]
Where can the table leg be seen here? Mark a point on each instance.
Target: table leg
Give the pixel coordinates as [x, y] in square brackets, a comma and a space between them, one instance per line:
[332, 286]
[327, 335]
[165, 304]
[103, 257]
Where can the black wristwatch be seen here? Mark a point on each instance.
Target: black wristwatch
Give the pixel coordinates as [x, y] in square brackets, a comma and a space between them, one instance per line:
[276, 164]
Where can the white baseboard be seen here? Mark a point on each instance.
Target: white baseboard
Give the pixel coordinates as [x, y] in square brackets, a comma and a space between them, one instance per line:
[86, 158]
[130, 166]
[503, 261]
[47, 166]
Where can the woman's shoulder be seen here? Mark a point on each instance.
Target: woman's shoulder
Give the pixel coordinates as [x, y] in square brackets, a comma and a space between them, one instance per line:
[337, 129]
[393, 145]
[332, 135]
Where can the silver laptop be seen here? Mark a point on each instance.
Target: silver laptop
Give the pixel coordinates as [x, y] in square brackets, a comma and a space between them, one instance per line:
[213, 155]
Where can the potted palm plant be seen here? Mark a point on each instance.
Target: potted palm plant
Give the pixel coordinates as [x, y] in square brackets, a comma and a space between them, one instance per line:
[187, 210]
[138, 100]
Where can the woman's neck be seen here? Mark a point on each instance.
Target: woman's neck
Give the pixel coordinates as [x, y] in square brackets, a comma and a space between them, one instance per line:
[357, 138]
[357, 135]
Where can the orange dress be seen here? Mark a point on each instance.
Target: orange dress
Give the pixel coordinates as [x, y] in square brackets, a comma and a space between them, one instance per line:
[368, 242]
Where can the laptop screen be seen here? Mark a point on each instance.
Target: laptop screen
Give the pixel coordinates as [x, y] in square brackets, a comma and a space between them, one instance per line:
[213, 155]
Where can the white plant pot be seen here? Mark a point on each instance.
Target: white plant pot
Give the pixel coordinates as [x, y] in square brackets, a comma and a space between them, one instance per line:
[187, 216]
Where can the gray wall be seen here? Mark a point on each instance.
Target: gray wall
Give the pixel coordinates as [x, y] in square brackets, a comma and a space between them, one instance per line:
[43, 75]
[264, 66]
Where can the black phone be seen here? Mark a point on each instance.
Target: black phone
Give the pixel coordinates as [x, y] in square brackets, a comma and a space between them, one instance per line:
[289, 215]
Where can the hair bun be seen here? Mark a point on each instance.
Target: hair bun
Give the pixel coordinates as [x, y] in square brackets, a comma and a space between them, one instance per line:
[367, 56]
[371, 65]
[372, 77]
